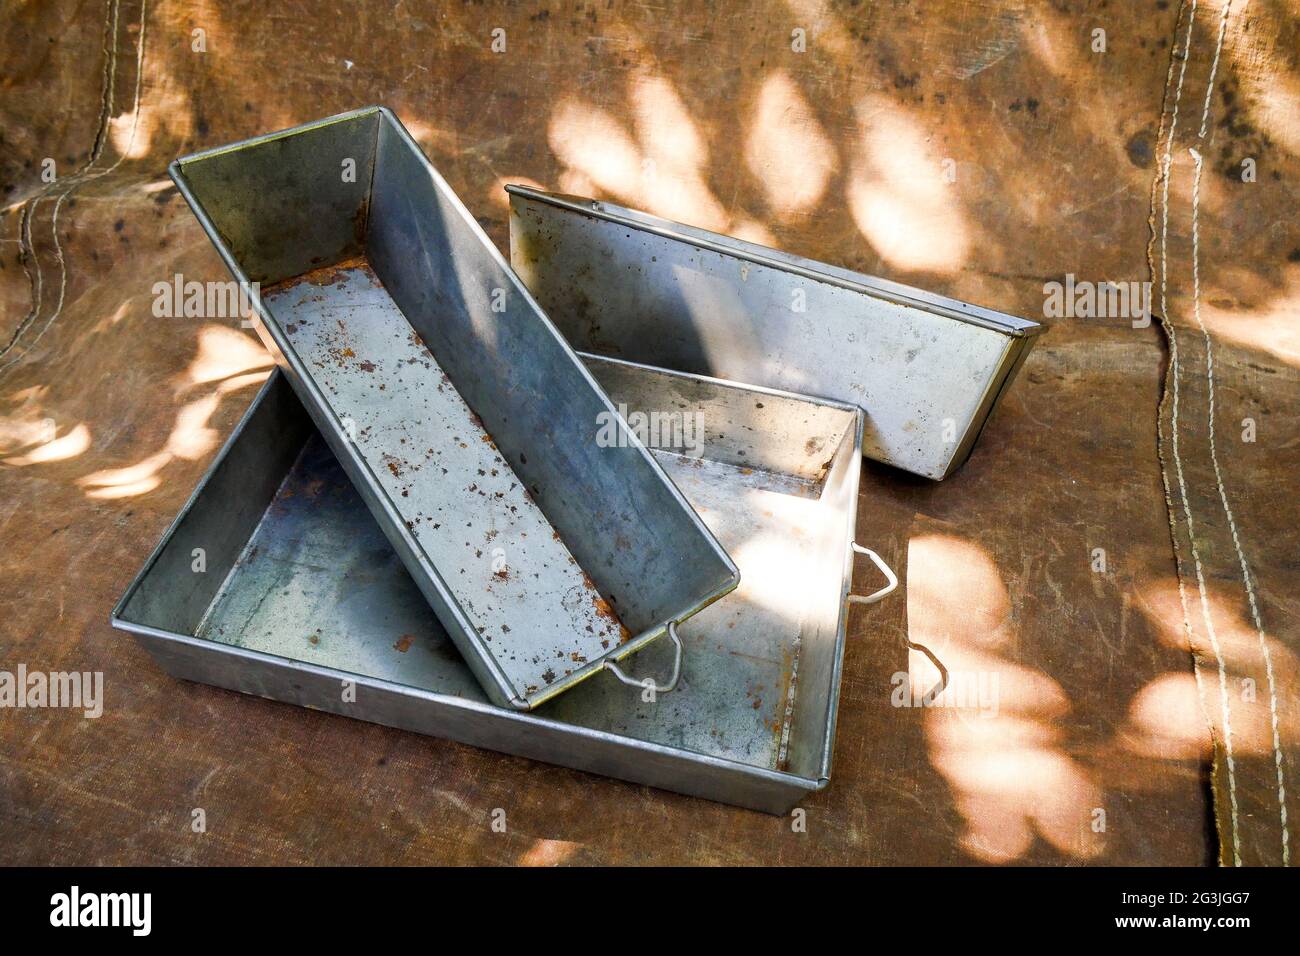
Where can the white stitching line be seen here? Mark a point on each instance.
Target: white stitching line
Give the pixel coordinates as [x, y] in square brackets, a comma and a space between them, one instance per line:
[1163, 178]
[1214, 458]
[1178, 461]
[36, 282]
[1223, 498]
[105, 113]
[1164, 306]
[1214, 68]
[1223, 494]
[1160, 423]
[85, 175]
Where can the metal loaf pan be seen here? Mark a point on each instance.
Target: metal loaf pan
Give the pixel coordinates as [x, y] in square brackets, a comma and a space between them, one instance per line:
[927, 370]
[467, 425]
[302, 593]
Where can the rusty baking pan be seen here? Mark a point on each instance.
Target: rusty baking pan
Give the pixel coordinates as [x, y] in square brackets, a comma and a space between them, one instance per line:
[303, 599]
[466, 424]
[926, 369]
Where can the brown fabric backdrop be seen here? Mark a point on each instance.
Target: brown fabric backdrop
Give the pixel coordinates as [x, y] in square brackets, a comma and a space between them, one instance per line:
[1097, 749]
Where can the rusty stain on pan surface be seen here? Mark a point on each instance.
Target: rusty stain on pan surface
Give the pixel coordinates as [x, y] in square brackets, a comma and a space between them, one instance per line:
[453, 405]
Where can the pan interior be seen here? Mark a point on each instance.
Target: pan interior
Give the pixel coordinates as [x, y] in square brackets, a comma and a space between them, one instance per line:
[511, 572]
[319, 583]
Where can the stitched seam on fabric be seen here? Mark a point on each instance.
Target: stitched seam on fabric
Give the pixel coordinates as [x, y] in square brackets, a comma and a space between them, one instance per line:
[1178, 462]
[84, 175]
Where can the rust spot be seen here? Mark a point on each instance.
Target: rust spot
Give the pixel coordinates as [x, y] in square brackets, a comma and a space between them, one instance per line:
[404, 643]
[326, 275]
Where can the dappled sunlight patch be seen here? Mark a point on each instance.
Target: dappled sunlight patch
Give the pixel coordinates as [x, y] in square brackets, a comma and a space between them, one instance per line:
[1166, 721]
[1162, 606]
[497, 194]
[820, 21]
[1279, 108]
[132, 133]
[69, 445]
[674, 156]
[959, 591]
[993, 728]
[985, 685]
[1272, 97]
[126, 482]
[770, 578]
[1239, 642]
[591, 141]
[168, 105]
[236, 382]
[223, 352]
[548, 853]
[664, 127]
[752, 231]
[29, 394]
[1244, 686]
[25, 431]
[107, 322]
[130, 490]
[191, 438]
[1038, 39]
[223, 355]
[1010, 781]
[899, 198]
[787, 150]
[1270, 328]
[576, 183]
[660, 169]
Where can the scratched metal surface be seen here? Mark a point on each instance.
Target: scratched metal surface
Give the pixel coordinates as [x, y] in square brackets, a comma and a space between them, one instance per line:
[502, 560]
[1056, 155]
[927, 371]
[742, 653]
[355, 189]
[317, 582]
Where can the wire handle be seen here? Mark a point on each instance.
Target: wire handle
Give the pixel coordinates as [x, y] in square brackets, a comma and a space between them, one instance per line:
[650, 683]
[890, 576]
[942, 684]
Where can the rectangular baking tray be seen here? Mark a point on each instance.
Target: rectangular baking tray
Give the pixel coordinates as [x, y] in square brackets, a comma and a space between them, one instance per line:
[927, 370]
[466, 423]
[303, 599]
